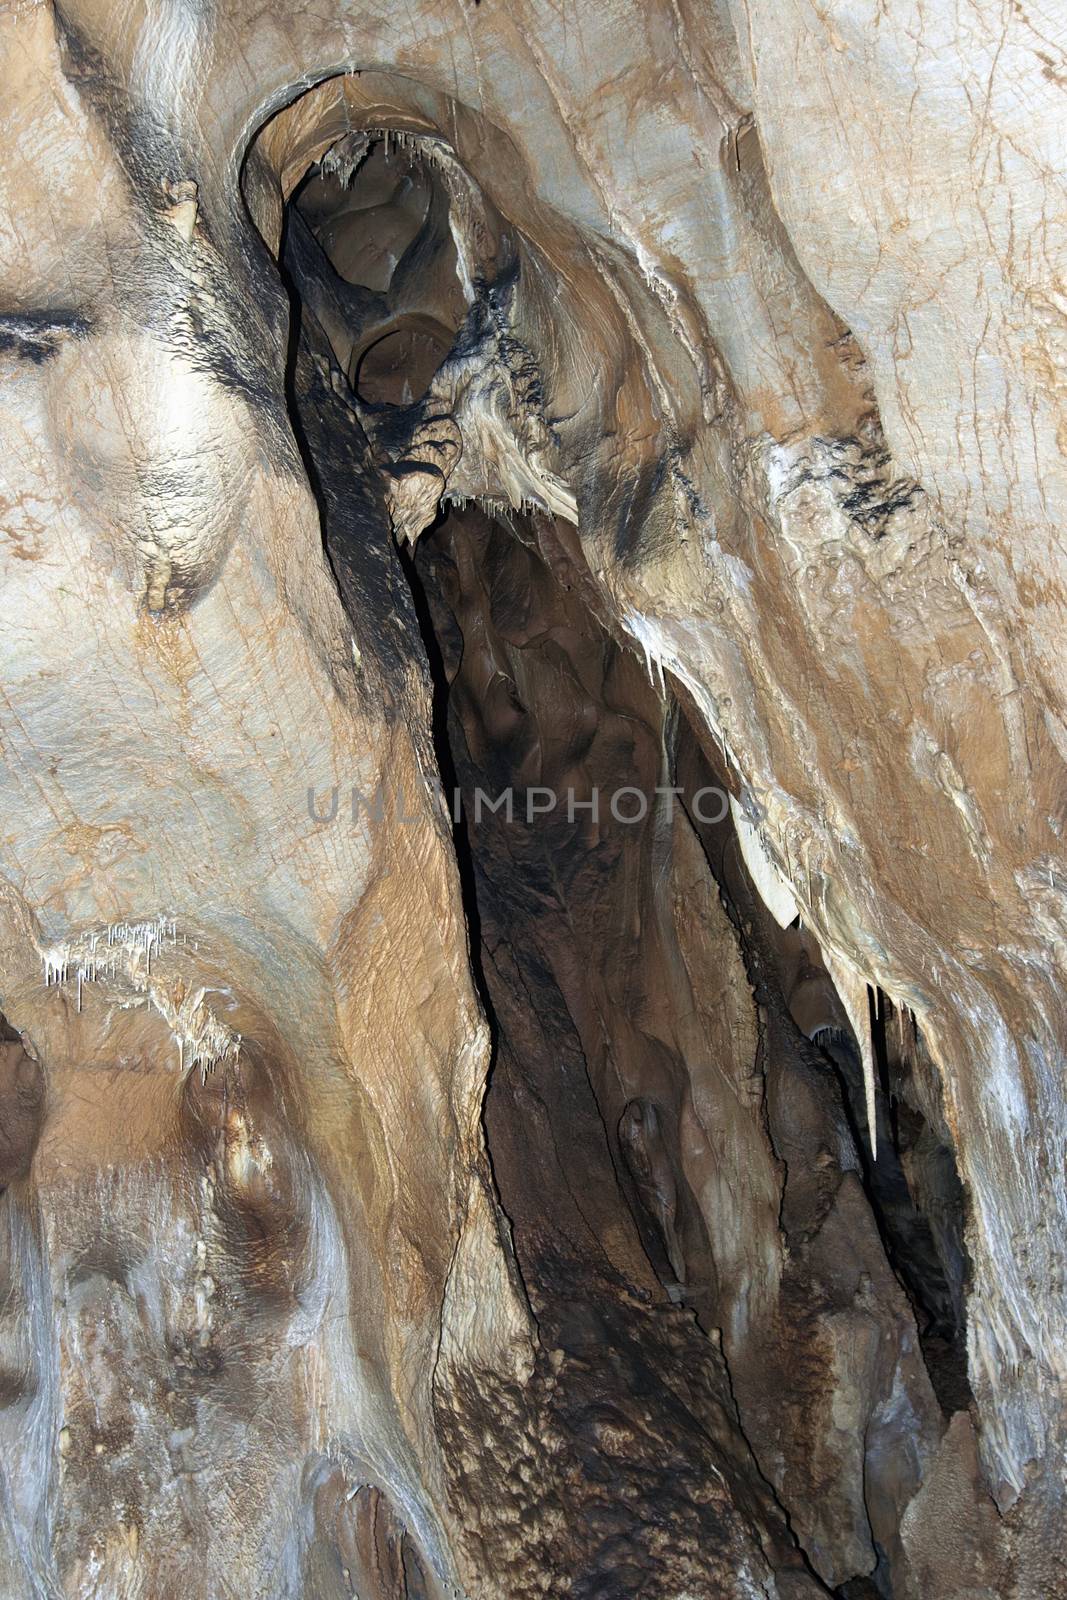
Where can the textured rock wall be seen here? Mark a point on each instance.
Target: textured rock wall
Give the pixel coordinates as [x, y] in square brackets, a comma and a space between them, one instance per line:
[767, 307]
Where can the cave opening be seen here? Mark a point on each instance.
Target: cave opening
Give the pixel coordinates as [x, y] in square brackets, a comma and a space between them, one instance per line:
[675, 1113]
[393, 303]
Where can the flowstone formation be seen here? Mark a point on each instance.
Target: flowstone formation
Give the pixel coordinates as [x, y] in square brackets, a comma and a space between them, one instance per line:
[533, 905]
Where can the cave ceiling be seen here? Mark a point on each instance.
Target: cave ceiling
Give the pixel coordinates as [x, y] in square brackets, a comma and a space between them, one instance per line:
[533, 718]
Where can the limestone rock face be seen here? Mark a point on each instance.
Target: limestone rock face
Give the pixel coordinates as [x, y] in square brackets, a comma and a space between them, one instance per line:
[533, 905]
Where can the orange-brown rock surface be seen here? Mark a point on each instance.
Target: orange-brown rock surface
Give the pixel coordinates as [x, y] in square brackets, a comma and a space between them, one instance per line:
[532, 891]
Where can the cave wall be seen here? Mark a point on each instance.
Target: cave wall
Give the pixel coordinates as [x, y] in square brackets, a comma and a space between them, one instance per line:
[785, 288]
